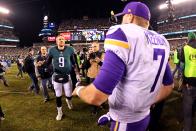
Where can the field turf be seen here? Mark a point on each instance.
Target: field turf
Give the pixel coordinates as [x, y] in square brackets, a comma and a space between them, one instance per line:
[25, 111]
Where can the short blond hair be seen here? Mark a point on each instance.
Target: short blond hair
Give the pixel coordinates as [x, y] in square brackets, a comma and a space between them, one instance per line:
[59, 36]
[141, 21]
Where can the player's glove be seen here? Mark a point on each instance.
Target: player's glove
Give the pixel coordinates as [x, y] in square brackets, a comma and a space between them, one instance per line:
[104, 119]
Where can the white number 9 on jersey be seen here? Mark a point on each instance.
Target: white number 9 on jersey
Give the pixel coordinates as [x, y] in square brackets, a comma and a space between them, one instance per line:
[61, 62]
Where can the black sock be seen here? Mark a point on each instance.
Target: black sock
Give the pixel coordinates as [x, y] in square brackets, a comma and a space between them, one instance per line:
[58, 101]
[69, 98]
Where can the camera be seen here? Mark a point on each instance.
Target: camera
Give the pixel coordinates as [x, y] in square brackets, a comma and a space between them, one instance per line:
[92, 56]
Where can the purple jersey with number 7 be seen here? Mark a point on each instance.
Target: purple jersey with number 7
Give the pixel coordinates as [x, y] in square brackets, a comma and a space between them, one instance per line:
[145, 54]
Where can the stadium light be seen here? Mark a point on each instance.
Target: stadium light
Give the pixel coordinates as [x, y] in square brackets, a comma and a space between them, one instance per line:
[163, 6]
[174, 2]
[4, 10]
[46, 17]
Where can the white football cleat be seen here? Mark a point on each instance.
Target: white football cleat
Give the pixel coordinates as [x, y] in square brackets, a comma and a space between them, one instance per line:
[2, 118]
[69, 104]
[60, 114]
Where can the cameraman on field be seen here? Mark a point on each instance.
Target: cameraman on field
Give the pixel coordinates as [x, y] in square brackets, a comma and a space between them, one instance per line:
[44, 72]
[95, 62]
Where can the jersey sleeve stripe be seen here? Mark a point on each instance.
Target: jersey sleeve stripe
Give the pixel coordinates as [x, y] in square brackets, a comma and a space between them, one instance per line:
[117, 35]
[117, 43]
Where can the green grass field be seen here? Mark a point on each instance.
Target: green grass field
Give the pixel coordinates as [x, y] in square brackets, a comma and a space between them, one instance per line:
[25, 111]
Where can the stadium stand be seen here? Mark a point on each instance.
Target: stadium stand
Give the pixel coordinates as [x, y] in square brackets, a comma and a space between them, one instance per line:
[83, 24]
[185, 9]
[4, 21]
[176, 29]
[180, 24]
[177, 42]
[7, 35]
[184, 18]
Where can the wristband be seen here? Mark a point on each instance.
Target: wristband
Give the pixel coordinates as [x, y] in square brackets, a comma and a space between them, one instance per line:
[78, 90]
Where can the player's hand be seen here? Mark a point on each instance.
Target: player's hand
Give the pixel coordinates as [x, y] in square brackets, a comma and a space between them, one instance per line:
[39, 63]
[97, 59]
[78, 84]
[104, 119]
[77, 90]
[78, 77]
[39, 78]
[74, 92]
[42, 62]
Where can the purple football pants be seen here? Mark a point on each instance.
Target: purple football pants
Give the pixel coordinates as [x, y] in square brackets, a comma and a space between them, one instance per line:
[136, 126]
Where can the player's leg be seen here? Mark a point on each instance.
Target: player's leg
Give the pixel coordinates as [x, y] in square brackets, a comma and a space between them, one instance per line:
[155, 115]
[58, 93]
[174, 71]
[68, 93]
[187, 107]
[20, 71]
[4, 81]
[1, 114]
[45, 90]
[34, 80]
[50, 84]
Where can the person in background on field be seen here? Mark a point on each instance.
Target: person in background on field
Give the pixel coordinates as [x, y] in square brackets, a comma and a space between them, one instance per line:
[43, 72]
[189, 81]
[2, 77]
[2, 117]
[19, 63]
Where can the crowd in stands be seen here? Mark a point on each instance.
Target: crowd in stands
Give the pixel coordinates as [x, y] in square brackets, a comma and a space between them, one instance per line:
[176, 43]
[12, 53]
[84, 24]
[7, 33]
[4, 21]
[177, 25]
[185, 9]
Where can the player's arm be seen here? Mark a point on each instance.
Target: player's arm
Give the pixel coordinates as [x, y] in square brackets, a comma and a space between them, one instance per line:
[98, 59]
[182, 58]
[74, 64]
[91, 95]
[49, 58]
[111, 72]
[167, 85]
[36, 68]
